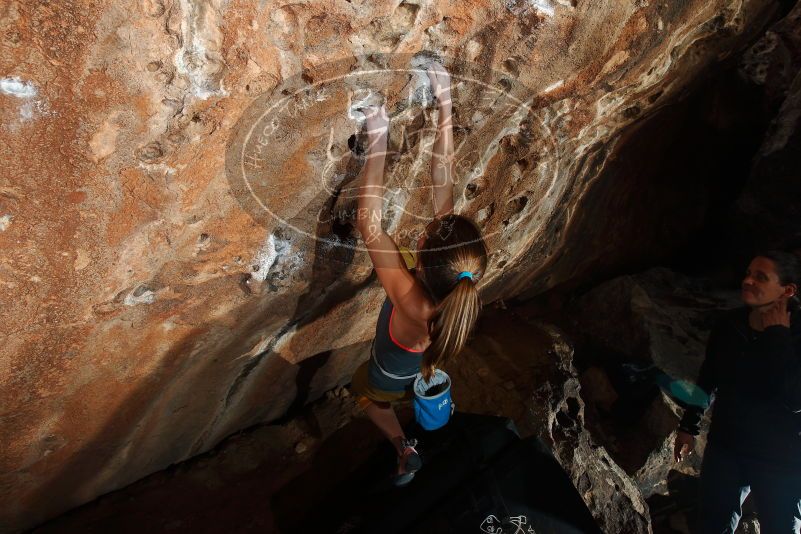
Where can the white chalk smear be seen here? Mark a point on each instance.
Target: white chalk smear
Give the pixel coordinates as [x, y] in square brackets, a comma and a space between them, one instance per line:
[265, 258]
[158, 167]
[5, 222]
[553, 86]
[194, 60]
[543, 6]
[147, 297]
[14, 86]
[268, 254]
[519, 7]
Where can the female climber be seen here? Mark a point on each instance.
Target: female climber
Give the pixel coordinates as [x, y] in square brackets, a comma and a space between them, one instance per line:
[753, 363]
[429, 312]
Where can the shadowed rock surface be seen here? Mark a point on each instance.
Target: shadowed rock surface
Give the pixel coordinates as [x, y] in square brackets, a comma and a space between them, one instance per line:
[283, 474]
[635, 327]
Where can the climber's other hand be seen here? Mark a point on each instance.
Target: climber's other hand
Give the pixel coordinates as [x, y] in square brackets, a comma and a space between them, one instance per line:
[440, 82]
[376, 121]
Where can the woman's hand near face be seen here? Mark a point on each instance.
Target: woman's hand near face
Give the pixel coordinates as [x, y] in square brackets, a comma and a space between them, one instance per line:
[777, 314]
[683, 446]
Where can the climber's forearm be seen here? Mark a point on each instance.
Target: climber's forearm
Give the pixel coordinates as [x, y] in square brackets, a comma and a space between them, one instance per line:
[442, 162]
[371, 185]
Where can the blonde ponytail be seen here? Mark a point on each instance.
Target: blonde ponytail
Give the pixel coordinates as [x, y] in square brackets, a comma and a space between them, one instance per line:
[451, 325]
[453, 260]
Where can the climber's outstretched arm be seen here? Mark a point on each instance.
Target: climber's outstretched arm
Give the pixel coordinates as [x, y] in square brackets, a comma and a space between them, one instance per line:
[442, 157]
[371, 180]
[397, 281]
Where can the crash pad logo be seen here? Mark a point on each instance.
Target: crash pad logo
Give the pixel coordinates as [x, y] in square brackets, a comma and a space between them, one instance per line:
[295, 155]
[512, 525]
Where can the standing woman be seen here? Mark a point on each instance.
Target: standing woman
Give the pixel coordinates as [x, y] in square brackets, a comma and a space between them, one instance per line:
[429, 311]
[753, 364]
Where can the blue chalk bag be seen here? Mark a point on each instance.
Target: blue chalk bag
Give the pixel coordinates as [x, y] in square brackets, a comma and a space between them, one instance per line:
[433, 411]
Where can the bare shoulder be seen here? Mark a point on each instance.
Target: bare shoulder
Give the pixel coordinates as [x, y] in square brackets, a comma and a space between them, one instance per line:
[416, 306]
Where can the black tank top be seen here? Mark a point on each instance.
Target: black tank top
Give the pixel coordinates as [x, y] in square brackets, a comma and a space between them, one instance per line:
[392, 366]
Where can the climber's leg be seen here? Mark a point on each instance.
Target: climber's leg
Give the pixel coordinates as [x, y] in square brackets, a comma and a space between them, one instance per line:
[383, 416]
[376, 403]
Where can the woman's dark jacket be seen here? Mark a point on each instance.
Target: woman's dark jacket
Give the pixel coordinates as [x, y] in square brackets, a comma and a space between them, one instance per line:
[756, 379]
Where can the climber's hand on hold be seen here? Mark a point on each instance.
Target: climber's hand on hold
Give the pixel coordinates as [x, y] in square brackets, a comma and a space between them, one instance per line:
[683, 446]
[376, 121]
[440, 83]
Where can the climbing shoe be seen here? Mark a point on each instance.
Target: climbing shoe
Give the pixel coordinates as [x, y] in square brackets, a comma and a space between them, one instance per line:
[410, 460]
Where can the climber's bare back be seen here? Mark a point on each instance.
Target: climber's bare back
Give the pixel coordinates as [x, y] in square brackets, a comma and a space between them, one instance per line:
[412, 330]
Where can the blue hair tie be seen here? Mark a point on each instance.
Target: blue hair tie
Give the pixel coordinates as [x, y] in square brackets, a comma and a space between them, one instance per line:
[464, 274]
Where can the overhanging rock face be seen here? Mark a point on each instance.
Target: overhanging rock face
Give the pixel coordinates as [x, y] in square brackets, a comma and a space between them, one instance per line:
[176, 263]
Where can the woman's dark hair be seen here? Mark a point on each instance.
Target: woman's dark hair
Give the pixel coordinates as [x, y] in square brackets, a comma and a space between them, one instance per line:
[788, 268]
[453, 244]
